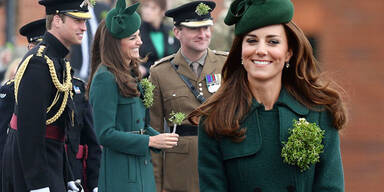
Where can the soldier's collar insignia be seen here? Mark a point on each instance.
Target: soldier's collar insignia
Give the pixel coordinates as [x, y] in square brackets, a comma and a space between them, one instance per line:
[76, 89]
[202, 9]
[213, 82]
[3, 95]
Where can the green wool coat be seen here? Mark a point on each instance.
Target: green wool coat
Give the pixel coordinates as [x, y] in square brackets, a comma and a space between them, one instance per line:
[126, 159]
[227, 166]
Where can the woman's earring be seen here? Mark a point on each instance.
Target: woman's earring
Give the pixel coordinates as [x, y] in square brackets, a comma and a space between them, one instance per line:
[242, 62]
[287, 65]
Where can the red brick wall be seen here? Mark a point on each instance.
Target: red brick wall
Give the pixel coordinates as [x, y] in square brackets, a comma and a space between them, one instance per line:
[27, 11]
[351, 48]
[2, 25]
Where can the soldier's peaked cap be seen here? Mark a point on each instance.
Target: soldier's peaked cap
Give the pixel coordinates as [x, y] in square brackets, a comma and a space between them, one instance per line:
[34, 30]
[193, 14]
[73, 8]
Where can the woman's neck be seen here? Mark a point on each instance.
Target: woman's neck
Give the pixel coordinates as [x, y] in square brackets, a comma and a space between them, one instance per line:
[265, 92]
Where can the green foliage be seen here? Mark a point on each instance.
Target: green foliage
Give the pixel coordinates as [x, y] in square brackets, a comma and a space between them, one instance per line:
[202, 9]
[90, 3]
[148, 92]
[177, 118]
[304, 146]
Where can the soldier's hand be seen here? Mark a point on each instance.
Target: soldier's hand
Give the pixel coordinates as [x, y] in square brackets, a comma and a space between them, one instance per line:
[75, 186]
[164, 140]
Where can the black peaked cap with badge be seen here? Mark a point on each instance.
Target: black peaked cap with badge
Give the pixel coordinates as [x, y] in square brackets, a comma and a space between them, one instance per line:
[73, 8]
[34, 30]
[193, 14]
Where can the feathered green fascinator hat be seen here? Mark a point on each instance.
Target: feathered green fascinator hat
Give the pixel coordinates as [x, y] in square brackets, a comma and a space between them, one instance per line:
[123, 21]
[248, 15]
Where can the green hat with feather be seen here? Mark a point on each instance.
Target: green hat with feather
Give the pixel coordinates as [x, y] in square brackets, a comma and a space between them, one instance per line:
[123, 21]
[248, 15]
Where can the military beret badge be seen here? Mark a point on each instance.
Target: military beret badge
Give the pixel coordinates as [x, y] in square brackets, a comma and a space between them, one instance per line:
[202, 9]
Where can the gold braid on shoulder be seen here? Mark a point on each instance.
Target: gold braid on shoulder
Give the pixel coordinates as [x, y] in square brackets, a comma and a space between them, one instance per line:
[65, 87]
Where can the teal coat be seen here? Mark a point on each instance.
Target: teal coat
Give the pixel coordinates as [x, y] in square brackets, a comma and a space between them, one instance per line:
[227, 166]
[126, 159]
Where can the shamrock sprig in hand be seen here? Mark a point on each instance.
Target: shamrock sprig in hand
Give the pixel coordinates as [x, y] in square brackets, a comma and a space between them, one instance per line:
[176, 119]
[304, 146]
[148, 92]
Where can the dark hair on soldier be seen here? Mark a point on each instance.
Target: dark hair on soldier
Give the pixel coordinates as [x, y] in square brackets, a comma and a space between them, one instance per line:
[303, 80]
[49, 19]
[107, 51]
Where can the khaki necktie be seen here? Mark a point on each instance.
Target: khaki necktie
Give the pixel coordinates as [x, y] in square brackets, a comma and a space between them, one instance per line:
[195, 68]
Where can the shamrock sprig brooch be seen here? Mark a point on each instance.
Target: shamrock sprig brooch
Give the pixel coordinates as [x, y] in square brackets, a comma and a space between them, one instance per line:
[148, 92]
[202, 9]
[176, 119]
[304, 146]
[90, 3]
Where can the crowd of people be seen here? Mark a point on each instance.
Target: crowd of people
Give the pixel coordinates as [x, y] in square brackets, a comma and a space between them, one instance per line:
[91, 105]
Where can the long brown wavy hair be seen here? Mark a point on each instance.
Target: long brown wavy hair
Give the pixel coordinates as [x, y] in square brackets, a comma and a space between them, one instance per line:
[106, 50]
[225, 109]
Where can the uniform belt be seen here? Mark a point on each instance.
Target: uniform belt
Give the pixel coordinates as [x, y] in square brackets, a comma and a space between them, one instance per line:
[185, 130]
[52, 132]
[140, 132]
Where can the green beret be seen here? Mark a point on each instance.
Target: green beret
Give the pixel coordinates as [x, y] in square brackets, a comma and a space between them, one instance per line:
[122, 22]
[248, 15]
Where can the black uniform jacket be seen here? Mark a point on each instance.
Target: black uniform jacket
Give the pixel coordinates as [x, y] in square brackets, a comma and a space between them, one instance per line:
[42, 160]
[7, 103]
[83, 134]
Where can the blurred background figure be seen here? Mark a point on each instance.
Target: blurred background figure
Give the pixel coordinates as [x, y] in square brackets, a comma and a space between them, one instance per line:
[80, 54]
[5, 59]
[33, 32]
[158, 38]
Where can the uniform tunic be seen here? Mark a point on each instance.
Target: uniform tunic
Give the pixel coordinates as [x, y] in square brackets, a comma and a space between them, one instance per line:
[82, 145]
[32, 161]
[172, 94]
[7, 104]
[126, 159]
[256, 165]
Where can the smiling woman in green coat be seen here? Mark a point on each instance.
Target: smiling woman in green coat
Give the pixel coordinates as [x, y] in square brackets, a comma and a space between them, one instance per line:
[117, 97]
[273, 124]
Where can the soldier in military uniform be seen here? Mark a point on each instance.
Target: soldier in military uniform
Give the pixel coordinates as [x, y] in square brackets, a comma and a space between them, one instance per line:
[34, 153]
[83, 149]
[33, 31]
[183, 81]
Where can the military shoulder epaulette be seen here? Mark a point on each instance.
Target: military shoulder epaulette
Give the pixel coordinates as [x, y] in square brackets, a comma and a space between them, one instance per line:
[224, 53]
[164, 59]
[41, 50]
